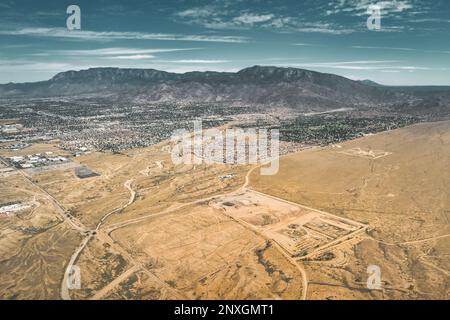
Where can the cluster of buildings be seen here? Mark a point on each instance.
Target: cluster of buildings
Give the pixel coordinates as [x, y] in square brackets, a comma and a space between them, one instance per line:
[11, 128]
[85, 126]
[16, 146]
[112, 139]
[36, 160]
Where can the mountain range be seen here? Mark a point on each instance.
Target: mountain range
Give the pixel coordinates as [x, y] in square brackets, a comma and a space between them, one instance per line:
[298, 89]
[290, 87]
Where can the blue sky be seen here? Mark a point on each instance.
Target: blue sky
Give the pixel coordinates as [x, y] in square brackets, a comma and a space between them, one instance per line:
[411, 48]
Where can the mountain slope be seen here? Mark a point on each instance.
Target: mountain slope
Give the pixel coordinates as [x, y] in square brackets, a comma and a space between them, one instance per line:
[370, 83]
[289, 87]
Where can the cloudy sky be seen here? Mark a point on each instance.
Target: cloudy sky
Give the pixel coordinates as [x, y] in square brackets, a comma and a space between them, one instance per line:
[411, 48]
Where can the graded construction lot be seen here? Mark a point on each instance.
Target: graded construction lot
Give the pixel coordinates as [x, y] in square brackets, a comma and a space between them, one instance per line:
[402, 196]
[297, 229]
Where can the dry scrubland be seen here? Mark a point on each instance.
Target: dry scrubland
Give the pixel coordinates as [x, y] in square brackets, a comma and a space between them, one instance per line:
[34, 243]
[396, 182]
[158, 237]
[158, 231]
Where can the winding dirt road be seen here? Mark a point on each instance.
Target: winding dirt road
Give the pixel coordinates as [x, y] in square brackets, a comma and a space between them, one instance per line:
[64, 285]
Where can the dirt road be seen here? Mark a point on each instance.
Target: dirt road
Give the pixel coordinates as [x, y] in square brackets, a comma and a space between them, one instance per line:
[64, 285]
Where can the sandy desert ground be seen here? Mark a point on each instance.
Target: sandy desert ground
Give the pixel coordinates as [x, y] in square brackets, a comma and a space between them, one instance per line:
[147, 229]
[396, 183]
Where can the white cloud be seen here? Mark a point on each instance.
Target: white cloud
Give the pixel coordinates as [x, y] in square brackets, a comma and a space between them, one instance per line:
[432, 20]
[359, 62]
[197, 12]
[384, 48]
[359, 7]
[14, 66]
[196, 61]
[220, 18]
[225, 17]
[324, 30]
[133, 57]
[303, 44]
[113, 51]
[400, 49]
[374, 65]
[395, 6]
[115, 35]
[250, 18]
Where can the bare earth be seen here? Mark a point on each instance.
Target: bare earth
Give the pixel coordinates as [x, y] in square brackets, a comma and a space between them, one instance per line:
[396, 183]
[146, 229]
